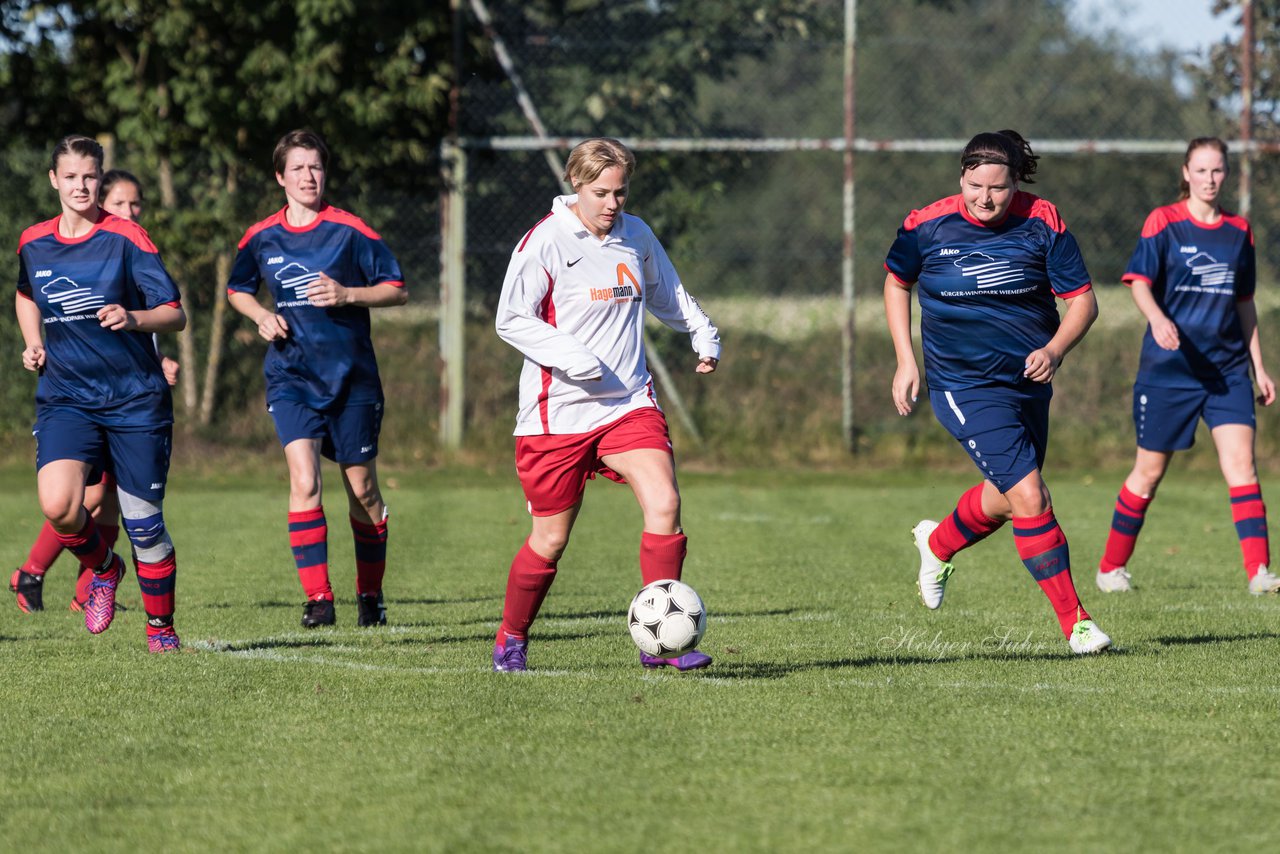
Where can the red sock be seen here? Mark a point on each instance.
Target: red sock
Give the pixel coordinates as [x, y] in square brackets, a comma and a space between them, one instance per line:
[110, 532]
[82, 585]
[527, 585]
[371, 555]
[1043, 549]
[44, 551]
[87, 545]
[1126, 524]
[661, 556]
[966, 525]
[309, 539]
[157, 583]
[1250, 515]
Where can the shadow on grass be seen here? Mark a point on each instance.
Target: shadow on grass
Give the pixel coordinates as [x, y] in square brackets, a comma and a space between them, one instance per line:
[724, 669]
[1198, 640]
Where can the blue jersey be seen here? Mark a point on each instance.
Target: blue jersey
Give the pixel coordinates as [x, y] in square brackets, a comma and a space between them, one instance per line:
[987, 291]
[1197, 272]
[327, 359]
[113, 376]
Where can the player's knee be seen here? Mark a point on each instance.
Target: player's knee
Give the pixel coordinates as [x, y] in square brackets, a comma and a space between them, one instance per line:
[62, 512]
[549, 544]
[149, 537]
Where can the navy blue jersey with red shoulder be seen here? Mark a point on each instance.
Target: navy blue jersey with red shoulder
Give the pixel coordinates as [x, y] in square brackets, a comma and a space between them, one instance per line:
[327, 360]
[1198, 272]
[987, 291]
[115, 376]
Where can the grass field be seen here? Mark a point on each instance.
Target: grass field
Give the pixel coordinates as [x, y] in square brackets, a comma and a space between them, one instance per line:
[839, 715]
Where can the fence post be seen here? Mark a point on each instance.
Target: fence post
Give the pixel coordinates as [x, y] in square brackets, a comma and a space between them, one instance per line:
[453, 290]
[849, 326]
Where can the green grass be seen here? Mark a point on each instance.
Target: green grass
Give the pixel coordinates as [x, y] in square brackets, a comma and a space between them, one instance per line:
[839, 715]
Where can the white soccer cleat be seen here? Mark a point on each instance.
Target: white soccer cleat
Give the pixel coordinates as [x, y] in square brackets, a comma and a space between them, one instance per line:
[1115, 581]
[1264, 582]
[933, 572]
[1087, 639]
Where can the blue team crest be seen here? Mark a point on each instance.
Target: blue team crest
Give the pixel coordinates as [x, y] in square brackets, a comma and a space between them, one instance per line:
[987, 271]
[70, 298]
[296, 277]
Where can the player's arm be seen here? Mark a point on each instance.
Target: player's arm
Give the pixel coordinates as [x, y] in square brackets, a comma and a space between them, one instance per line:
[674, 306]
[897, 312]
[32, 325]
[1082, 311]
[162, 318]
[327, 293]
[1163, 330]
[519, 322]
[1249, 327]
[271, 326]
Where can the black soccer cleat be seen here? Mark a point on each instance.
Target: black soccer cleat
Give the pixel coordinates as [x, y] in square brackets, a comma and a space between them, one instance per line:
[29, 589]
[373, 611]
[318, 612]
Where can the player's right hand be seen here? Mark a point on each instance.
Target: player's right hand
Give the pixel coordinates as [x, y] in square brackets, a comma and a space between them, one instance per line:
[272, 327]
[33, 358]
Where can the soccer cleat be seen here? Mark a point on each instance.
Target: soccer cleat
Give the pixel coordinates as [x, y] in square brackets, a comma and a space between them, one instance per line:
[162, 639]
[318, 612]
[694, 660]
[373, 611]
[1087, 639]
[100, 610]
[29, 589]
[934, 573]
[1115, 581]
[1264, 582]
[511, 656]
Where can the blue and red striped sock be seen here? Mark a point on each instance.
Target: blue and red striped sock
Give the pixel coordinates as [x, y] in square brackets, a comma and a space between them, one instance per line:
[371, 555]
[966, 525]
[1126, 524]
[1043, 549]
[157, 582]
[88, 546]
[1250, 515]
[309, 538]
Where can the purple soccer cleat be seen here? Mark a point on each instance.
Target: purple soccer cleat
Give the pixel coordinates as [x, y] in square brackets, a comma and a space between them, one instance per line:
[689, 661]
[162, 639]
[509, 657]
[100, 610]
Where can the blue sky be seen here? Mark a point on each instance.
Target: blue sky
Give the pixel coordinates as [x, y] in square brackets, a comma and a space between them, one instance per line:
[1186, 25]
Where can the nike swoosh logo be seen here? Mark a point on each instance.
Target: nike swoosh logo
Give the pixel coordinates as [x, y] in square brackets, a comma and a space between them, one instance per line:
[571, 263]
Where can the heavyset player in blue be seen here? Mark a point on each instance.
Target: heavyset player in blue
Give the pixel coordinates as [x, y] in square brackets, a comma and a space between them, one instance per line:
[1192, 276]
[989, 263]
[91, 292]
[324, 270]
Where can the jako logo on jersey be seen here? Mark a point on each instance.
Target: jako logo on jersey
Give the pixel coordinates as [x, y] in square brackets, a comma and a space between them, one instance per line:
[948, 251]
[297, 277]
[989, 272]
[43, 274]
[623, 292]
[70, 298]
[275, 259]
[1211, 271]
[1188, 250]
[157, 486]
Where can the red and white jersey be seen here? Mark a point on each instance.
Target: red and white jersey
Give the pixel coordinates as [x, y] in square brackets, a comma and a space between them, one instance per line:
[574, 304]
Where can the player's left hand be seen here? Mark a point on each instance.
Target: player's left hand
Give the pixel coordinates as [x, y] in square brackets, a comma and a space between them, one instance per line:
[116, 318]
[1041, 365]
[324, 292]
[706, 365]
[170, 367]
[1266, 388]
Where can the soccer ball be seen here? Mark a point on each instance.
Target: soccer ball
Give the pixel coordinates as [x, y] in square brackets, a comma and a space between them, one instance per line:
[666, 618]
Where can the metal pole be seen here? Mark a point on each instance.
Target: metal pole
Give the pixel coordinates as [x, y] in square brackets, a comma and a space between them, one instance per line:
[1246, 109]
[849, 325]
[453, 272]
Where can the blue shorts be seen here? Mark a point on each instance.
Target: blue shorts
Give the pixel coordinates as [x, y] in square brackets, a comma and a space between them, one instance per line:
[1005, 432]
[139, 458]
[347, 435]
[1165, 419]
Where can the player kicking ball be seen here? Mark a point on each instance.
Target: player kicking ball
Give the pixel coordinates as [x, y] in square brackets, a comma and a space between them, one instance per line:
[573, 302]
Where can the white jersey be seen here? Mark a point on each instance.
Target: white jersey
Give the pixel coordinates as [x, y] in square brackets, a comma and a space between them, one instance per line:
[574, 304]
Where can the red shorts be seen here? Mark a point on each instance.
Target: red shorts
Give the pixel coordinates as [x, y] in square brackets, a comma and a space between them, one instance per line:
[554, 469]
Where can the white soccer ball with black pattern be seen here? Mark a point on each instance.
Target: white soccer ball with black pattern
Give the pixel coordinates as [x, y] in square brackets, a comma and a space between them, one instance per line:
[666, 618]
